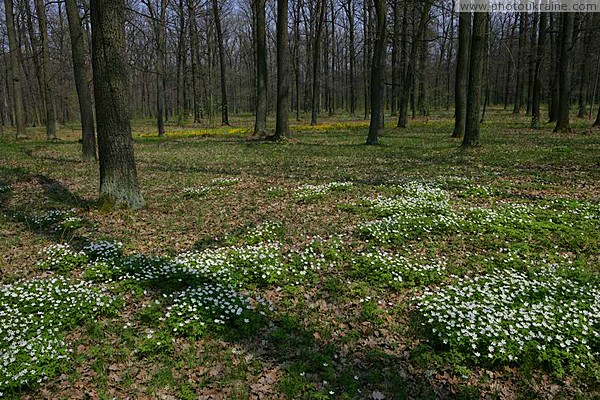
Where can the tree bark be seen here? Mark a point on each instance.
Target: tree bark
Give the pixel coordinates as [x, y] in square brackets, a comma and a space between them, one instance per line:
[118, 176]
[565, 66]
[410, 68]
[260, 38]
[584, 71]
[537, 84]
[395, 54]
[520, 84]
[88, 135]
[15, 66]
[531, 57]
[462, 74]
[40, 9]
[193, 29]
[349, 8]
[377, 74]
[181, 50]
[283, 69]
[477, 62]
[316, 62]
[224, 104]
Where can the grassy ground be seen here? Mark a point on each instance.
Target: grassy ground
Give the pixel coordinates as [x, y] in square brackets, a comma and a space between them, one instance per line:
[347, 327]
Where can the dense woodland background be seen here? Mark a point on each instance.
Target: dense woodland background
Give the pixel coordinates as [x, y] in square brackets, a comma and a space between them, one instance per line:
[174, 56]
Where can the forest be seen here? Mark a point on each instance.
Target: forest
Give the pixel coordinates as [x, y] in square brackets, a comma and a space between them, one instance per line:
[300, 199]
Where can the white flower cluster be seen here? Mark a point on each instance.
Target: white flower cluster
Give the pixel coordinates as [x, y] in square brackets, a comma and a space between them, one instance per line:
[310, 192]
[34, 314]
[262, 263]
[502, 316]
[266, 231]
[419, 210]
[195, 191]
[396, 269]
[55, 219]
[61, 257]
[195, 309]
[224, 181]
[104, 250]
[236, 265]
[4, 189]
[407, 226]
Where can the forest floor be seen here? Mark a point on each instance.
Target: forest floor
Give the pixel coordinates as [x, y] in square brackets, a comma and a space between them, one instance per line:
[314, 268]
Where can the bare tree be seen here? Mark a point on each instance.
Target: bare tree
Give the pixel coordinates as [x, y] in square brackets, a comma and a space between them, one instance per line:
[16, 72]
[78, 39]
[537, 83]
[118, 175]
[320, 6]
[377, 74]
[462, 74]
[260, 38]
[283, 79]
[565, 66]
[218, 28]
[477, 62]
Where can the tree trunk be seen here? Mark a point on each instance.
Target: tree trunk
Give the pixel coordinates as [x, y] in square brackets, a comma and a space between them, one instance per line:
[15, 66]
[537, 83]
[555, 70]
[88, 136]
[584, 72]
[531, 57]
[118, 175]
[520, 84]
[565, 65]
[47, 92]
[316, 62]
[377, 74]
[283, 78]
[477, 62]
[395, 53]
[181, 50]
[349, 7]
[410, 69]
[260, 38]
[462, 74]
[224, 105]
[422, 99]
[193, 28]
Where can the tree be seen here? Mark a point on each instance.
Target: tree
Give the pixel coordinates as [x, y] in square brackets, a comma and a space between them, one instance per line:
[377, 74]
[537, 83]
[462, 74]
[477, 61]
[597, 123]
[260, 38]
[565, 66]
[283, 71]
[159, 21]
[118, 176]
[349, 9]
[520, 82]
[15, 66]
[224, 105]
[320, 7]
[410, 68]
[88, 138]
[47, 88]
[395, 54]
[193, 33]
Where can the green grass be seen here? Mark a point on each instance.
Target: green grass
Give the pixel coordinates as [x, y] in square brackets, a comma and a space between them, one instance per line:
[340, 327]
